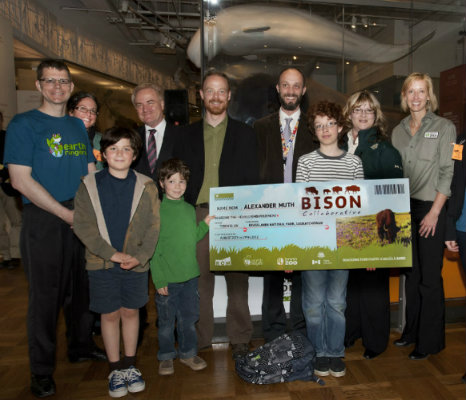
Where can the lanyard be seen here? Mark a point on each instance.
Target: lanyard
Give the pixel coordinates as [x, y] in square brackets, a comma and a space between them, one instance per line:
[287, 146]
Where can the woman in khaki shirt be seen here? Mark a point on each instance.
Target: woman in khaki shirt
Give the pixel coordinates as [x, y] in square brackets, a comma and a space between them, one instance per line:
[424, 142]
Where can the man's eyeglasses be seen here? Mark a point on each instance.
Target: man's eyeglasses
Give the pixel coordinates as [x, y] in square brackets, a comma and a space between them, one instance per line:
[53, 81]
[86, 110]
[328, 125]
[368, 111]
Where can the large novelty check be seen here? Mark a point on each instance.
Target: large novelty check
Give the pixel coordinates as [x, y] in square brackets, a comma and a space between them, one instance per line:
[312, 225]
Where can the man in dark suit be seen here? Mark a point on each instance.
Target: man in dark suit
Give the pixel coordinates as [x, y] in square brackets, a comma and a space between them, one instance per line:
[278, 158]
[147, 98]
[219, 151]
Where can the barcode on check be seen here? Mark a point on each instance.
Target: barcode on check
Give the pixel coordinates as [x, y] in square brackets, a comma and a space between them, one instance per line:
[395, 188]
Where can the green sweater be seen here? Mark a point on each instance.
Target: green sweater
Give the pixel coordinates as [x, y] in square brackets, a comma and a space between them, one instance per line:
[174, 260]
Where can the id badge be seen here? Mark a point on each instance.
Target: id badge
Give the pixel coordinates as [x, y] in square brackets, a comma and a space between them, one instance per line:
[431, 135]
[457, 152]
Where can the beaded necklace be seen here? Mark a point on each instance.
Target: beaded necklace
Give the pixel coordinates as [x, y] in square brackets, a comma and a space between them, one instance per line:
[287, 146]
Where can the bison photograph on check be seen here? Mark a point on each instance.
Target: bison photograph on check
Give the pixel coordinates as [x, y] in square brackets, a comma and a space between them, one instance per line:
[383, 229]
[386, 225]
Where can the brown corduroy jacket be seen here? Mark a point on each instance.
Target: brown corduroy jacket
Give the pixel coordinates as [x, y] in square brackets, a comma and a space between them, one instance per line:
[143, 230]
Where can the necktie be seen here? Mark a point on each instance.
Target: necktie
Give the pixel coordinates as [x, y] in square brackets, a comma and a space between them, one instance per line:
[288, 173]
[152, 150]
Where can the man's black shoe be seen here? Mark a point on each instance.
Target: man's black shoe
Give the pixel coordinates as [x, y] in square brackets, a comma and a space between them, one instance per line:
[416, 355]
[42, 385]
[239, 350]
[95, 355]
[369, 354]
[402, 342]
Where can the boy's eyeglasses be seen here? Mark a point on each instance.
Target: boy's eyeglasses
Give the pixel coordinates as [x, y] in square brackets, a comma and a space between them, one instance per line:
[367, 111]
[328, 125]
[53, 81]
[86, 110]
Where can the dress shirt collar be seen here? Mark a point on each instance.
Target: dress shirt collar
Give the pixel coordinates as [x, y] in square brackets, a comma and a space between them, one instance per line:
[160, 128]
[295, 116]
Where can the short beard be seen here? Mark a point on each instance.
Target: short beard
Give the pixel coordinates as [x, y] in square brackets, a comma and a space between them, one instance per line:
[290, 106]
[216, 110]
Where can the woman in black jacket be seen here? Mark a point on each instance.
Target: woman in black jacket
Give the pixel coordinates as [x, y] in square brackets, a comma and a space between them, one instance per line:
[368, 298]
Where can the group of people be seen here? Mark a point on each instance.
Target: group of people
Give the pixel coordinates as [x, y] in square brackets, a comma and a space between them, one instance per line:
[91, 233]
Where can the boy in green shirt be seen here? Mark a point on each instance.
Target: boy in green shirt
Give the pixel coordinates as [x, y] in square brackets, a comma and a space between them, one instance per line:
[175, 271]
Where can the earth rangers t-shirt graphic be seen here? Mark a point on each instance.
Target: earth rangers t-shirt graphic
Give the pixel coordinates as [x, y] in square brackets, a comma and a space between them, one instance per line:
[58, 150]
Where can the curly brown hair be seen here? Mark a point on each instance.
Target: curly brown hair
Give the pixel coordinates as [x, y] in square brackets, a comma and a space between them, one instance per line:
[325, 109]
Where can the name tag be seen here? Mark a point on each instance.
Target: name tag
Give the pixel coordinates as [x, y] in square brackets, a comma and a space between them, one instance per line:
[431, 135]
[457, 152]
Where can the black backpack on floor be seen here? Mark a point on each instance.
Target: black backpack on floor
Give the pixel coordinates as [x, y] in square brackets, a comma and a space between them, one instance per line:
[289, 357]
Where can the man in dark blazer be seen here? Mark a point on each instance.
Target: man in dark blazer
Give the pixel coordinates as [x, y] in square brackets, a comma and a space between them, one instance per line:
[219, 151]
[147, 98]
[274, 152]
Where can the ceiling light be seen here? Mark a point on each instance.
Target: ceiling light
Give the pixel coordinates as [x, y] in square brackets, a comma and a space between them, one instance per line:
[364, 22]
[353, 22]
[295, 58]
[347, 63]
[317, 65]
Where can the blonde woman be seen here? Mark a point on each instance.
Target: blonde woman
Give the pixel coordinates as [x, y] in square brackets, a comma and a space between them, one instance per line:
[368, 298]
[424, 141]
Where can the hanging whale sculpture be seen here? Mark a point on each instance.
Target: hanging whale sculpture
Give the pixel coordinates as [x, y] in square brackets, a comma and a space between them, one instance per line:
[249, 30]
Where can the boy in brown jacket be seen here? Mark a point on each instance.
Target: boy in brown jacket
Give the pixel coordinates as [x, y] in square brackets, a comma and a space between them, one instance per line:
[117, 219]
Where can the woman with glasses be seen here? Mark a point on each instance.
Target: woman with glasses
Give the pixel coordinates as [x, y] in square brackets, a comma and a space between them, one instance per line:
[424, 141]
[368, 297]
[84, 105]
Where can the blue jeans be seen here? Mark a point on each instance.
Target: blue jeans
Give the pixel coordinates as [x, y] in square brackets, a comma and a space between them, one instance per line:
[180, 306]
[324, 304]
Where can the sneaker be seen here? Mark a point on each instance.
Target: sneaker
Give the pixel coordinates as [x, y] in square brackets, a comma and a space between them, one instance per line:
[134, 380]
[321, 367]
[166, 367]
[117, 384]
[196, 363]
[337, 367]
